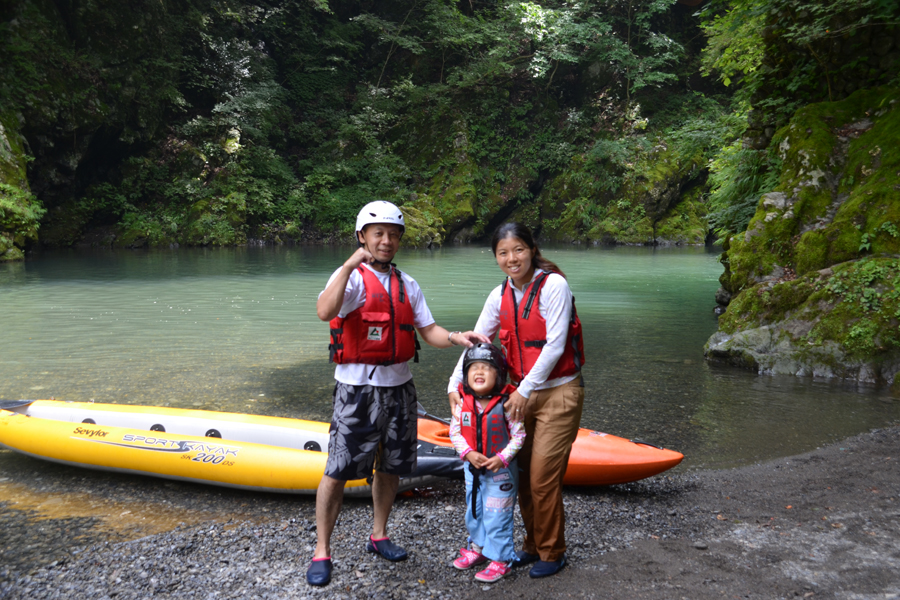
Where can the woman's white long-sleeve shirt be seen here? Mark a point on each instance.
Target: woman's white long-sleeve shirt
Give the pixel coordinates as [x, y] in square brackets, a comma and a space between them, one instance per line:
[555, 306]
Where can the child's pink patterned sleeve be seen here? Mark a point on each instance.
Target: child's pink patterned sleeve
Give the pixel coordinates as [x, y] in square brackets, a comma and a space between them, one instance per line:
[456, 438]
[516, 440]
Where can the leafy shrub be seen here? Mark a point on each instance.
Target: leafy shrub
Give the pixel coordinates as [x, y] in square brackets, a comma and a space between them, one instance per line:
[20, 214]
[738, 178]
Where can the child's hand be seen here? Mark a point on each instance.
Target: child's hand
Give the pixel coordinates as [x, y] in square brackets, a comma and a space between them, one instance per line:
[494, 463]
[477, 459]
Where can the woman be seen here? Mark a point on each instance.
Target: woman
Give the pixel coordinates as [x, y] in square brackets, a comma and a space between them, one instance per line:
[533, 312]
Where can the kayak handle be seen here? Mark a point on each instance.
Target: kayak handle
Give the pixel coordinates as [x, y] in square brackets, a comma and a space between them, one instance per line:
[422, 413]
[643, 443]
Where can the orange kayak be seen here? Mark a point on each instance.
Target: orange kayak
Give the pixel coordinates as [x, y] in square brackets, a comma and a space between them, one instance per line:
[596, 459]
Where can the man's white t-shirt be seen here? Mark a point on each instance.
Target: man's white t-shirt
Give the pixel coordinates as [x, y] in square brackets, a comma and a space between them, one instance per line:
[354, 297]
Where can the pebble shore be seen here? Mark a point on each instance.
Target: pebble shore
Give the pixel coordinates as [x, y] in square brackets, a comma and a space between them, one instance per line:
[825, 524]
[265, 555]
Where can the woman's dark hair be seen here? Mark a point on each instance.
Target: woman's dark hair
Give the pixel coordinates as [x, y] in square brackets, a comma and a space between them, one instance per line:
[520, 231]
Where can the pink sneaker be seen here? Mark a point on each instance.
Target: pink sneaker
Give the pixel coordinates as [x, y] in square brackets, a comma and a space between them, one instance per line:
[495, 572]
[468, 559]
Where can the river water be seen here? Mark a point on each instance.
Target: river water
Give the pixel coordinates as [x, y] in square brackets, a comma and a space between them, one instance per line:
[235, 330]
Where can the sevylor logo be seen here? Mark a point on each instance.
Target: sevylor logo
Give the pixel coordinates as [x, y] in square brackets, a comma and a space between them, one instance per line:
[90, 432]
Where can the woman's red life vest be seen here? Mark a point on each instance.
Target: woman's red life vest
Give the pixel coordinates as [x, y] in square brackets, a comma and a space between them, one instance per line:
[381, 331]
[523, 333]
[485, 431]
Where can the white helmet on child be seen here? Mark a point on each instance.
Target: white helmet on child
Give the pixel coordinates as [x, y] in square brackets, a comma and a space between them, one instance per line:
[379, 211]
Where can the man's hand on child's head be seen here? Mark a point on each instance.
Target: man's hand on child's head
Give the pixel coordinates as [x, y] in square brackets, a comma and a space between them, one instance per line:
[470, 338]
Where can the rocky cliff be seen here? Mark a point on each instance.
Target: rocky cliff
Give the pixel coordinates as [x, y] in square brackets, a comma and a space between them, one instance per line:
[812, 287]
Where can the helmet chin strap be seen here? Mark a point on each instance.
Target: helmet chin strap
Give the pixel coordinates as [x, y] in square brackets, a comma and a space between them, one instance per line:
[375, 261]
[467, 389]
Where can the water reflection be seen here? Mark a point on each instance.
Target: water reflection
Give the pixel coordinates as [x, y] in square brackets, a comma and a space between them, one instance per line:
[235, 329]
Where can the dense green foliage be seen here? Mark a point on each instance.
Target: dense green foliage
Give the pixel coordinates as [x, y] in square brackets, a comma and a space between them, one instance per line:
[225, 121]
[213, 122]
[20, 211]
[20, 214]
[792, 51]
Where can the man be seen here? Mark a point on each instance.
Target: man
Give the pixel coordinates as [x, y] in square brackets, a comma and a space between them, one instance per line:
[374, 312]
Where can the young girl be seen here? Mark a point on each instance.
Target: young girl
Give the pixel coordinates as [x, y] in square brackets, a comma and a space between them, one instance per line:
[485, 436]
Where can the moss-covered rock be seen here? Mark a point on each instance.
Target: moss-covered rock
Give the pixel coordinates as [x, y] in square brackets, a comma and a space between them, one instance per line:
[20, 211]
[624, 223]
[424, 227]
[590, 201]
[570, 202]
[465, 194]
[836, 198]
[839, 322]
[814, 278]
[455, 194]
[685, 223]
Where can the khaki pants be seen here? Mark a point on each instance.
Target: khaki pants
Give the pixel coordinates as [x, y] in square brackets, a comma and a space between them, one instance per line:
[551, 424]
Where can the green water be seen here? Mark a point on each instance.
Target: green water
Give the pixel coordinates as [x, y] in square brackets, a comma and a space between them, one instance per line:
[236, 330]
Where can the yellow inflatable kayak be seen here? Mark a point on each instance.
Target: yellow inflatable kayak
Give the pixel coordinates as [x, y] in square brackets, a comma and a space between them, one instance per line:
[253, 452]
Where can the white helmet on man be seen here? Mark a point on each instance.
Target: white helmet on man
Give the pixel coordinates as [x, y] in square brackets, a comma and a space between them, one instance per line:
[380, 211]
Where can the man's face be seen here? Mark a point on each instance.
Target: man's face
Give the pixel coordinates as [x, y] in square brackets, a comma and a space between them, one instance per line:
[382, 240]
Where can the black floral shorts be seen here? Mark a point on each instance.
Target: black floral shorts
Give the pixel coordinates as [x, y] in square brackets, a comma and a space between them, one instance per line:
[372, 426]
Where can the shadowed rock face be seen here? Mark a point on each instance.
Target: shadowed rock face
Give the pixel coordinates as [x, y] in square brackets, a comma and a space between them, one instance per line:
[811, 285]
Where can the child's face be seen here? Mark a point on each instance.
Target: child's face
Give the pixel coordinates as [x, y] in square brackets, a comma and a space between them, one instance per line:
[482, 378]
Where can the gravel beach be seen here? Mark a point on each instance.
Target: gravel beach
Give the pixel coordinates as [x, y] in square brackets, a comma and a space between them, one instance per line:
[825, 524]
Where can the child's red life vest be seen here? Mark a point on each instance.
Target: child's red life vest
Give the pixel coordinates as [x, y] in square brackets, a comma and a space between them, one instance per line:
[523, 333]
[381, 331]
[486, 431]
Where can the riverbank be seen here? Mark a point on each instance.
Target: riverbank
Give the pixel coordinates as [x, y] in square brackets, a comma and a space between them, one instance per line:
[825, 524]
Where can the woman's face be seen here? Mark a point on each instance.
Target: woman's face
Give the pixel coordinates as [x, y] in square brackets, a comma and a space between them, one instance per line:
[514, 258]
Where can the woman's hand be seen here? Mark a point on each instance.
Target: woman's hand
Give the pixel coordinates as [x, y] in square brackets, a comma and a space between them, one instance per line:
[455, 400]
[515, 406]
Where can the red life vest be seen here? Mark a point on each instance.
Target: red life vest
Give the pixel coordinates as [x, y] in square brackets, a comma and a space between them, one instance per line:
[523, 333]
[381, 331]
[485, 432]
